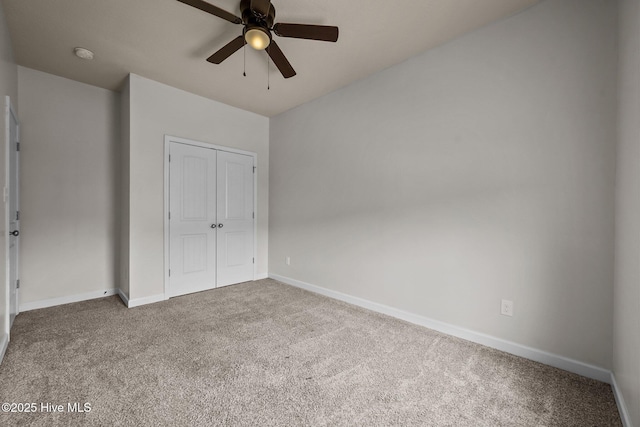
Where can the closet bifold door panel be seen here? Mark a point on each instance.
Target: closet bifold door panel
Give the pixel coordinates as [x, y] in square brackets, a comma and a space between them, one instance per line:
[235, 218]
[192, 198]
[211, 218]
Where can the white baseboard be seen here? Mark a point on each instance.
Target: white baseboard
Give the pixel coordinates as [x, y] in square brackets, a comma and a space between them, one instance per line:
[34, 305]
[123, 297]
[622, 406]
[137, 302]
[557, 361]
[4, 344]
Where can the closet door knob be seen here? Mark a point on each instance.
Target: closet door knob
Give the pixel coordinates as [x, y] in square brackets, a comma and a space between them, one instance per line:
[213, 226]
[219, 225]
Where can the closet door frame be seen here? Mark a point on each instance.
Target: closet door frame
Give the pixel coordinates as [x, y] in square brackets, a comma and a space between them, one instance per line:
[168, 140]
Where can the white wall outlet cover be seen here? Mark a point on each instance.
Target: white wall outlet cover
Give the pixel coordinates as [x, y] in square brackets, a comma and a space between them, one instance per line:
[506, 308]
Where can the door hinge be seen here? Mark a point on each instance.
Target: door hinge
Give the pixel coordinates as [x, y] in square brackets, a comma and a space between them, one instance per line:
[254, 260]
[254, 215]
[169, 272]
[169, 158]
[18, 284]
[17, 146]
[17, 215]
[169, 215]
[254, 169]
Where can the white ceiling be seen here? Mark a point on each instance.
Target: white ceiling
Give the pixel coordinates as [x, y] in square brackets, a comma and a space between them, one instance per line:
[168, 41]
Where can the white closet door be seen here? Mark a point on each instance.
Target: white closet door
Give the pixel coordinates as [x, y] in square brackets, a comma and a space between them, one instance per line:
[235, 218]
[192, 200]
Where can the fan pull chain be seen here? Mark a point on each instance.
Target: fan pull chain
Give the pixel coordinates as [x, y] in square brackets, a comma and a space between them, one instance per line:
[244, 51]
[268, 77]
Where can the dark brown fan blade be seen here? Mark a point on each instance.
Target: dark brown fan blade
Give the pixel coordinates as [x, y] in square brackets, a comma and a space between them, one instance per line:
[261, 7]
[309, 32]
[209, 8]
[228, 50]
[280, 60]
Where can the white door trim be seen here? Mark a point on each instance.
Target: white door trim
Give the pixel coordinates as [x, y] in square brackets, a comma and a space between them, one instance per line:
[9, 111]
[168, 139]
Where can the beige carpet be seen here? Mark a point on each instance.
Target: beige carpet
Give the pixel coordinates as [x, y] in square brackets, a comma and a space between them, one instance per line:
[264, 353]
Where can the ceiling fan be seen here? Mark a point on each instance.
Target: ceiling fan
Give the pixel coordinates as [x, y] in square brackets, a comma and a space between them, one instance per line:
[257, 19]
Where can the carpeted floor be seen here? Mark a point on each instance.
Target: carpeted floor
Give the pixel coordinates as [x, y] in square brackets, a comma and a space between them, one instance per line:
[264, 353]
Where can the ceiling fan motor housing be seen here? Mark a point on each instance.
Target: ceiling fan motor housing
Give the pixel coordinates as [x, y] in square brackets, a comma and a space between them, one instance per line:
[253, 17]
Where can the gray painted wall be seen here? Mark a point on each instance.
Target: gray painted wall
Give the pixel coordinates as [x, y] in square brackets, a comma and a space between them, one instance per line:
[480, 170]
[157, 110]
[8, 86]
[626, 350]
[69, 175]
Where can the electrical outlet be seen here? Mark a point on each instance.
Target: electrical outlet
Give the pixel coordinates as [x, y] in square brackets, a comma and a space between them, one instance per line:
[506, 308]
[288, 260]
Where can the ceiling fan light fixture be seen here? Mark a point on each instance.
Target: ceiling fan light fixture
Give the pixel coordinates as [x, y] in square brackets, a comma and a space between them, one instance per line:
[257, 38]
[257, 26]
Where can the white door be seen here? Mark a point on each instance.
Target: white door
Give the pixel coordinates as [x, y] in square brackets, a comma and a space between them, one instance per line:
[192, 219]
[13, 209]
[235, 218]
[211, 218]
